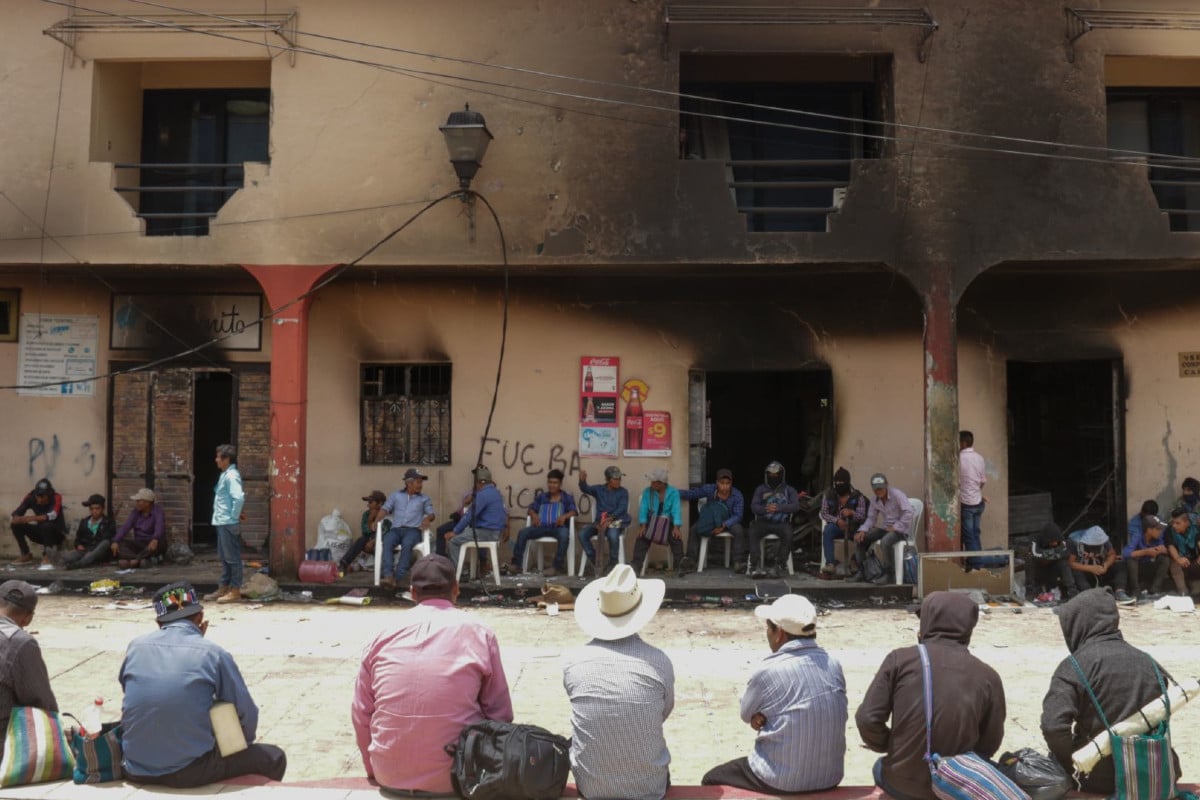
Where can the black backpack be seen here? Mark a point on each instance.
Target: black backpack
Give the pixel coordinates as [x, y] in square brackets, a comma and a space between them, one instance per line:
[502, 761]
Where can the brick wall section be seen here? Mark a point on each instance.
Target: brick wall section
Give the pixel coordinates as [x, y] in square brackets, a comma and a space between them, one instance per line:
[129, 446]
[171, 422]
[254, 451]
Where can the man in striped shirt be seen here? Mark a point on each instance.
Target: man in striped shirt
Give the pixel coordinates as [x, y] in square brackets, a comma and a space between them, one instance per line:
[621, 690]
[796, 700]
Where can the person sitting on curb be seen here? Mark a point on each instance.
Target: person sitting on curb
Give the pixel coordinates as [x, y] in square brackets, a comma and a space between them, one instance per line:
[172, 677]
[24, 680]
[796, 701]
[93, 537]
[148, 524]
[365, 543]
[1121, 676]
[968, 699]
[724, 507]
[1184, 549]
[843, 510]
[1093, 562]
[402, 724]
[889, 519]
[411, 512]
[549, 515]
[39, 519]
[1050, 568]
[611, 517]
[621, 690]
[1147, 562]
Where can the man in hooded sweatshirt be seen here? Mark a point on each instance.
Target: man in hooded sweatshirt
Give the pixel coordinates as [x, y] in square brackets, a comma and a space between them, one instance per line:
[968, 700]
[1121, 675]
[773, 504]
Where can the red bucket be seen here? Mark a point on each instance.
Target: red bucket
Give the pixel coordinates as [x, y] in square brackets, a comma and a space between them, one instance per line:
[318, 571]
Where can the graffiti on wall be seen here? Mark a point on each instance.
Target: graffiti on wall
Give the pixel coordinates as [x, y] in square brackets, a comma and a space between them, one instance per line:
[43, 457]
[530, 459]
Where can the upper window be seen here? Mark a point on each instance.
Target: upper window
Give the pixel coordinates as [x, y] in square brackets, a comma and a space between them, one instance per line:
[405, 413]
[179, 134]
[787, 171]
[1165, 122]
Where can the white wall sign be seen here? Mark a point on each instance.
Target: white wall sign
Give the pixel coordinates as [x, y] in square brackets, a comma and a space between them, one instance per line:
[149, 321]
[54, 349]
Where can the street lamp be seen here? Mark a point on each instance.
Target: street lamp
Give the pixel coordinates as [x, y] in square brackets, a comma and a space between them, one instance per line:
[467, 139]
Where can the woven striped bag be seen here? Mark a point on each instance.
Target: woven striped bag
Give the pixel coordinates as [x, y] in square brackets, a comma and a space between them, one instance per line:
[35, 748]
[967, 776]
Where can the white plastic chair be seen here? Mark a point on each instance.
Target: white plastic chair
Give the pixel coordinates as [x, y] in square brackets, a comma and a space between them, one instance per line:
[583, 559]
[493, 549]
[762, 552]
[537, 543]
[646, 560]
[728, 537]
[422, 548]
[918, 508]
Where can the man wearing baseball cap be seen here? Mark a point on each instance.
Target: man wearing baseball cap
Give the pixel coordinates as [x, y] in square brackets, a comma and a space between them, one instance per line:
[724, 507]
[39, 519]
[889, 519]
[148, 525]
[172, 677]
[410, 512]
[93, 537]
[487, 516]
[611, 515]
[421, 683]
[24, 680]
[796, 701]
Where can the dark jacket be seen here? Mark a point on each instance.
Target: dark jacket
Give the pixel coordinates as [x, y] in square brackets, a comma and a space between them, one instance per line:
[1121, 676]
[968, 698]
[105, 530]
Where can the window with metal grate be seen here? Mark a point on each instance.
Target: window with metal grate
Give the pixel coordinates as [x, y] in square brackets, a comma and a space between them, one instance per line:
[405, 413]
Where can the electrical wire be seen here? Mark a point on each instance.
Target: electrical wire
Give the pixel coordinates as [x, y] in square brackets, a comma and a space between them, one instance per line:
[668, 93]
[321, 284]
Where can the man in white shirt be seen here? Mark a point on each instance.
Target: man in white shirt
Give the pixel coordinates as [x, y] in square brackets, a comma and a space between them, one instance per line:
[972, 475]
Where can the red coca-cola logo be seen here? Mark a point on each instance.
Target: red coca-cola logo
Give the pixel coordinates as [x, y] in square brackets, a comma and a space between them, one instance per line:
[633, 422]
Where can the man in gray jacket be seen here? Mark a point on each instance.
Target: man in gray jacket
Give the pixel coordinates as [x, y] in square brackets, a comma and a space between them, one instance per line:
[23, 677]
[1121, 676]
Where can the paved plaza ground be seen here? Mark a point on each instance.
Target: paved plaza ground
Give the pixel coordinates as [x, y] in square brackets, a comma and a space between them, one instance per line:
[301, 661]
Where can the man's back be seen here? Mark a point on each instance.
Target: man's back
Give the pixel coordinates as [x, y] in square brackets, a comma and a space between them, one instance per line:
[621, 692]
[23, 678]
[171, 679]
[418, 687]
[801, 691]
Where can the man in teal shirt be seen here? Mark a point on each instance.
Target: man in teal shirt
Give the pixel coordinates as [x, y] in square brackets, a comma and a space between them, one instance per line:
[227, 517]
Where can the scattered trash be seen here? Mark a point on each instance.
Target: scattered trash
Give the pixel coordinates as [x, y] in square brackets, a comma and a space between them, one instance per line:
[106, 586]
[54, 588]
[125, 572]
[45, 567]
[835, 604]
[1173, 603]
[552, 609]
[126, 605]
[262, 588]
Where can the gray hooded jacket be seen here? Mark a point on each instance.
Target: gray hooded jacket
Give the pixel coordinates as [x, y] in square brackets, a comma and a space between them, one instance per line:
[1121, 676]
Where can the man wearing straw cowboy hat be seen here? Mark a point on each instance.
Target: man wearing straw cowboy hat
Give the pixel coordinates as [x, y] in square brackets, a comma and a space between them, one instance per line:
[621, 691]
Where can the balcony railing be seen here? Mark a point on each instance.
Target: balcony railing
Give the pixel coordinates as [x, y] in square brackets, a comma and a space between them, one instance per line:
[788, 194]
[1176, 186]
[180, 199]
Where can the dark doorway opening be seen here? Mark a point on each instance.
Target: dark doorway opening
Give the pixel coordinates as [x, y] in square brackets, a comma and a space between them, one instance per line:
[759, 417]
[1066, 438]
[212, 425]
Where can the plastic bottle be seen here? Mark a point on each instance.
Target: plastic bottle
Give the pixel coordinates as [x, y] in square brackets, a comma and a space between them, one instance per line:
[91, 721]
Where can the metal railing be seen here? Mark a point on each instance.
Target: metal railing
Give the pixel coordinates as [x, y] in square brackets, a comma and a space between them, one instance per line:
[788, 194]
[169, 194]
[1176, 186]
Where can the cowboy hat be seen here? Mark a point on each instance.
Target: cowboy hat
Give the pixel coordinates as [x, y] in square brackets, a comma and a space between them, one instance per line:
[618, 605]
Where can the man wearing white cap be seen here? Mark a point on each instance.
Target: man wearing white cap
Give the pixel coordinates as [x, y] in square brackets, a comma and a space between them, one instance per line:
[796, 700]
[621, 691]
[140, 538]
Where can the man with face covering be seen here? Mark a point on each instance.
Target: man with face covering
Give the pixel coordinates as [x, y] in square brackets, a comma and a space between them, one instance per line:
[773, 504]
[1121, 676]
[968, 700]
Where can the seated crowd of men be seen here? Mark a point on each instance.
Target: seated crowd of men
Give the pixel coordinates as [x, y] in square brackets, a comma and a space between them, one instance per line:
[763, 547]
[620, 688]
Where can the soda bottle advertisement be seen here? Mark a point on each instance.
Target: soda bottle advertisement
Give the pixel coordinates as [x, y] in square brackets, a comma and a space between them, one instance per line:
[643, 432]
[599, 434]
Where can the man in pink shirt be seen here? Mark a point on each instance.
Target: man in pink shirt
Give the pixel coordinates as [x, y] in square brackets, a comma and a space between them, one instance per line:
[422, 683]
[972, 475]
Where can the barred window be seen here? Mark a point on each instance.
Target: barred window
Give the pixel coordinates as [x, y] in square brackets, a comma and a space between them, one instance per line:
[405, 413]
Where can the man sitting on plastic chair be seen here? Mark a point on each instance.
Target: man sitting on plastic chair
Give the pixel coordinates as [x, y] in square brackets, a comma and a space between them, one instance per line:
[611, 515]
[773, 504]
[889, 519]
[549, 515]
[723, 510]
[411, 512]
[485, 520]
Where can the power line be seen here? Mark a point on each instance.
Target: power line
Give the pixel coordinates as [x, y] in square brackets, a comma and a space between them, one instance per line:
[672, 94]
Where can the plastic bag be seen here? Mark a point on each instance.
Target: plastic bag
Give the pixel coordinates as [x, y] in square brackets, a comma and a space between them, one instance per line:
[335, 535]
[261, 587]
[179, 553]
[1041, 776]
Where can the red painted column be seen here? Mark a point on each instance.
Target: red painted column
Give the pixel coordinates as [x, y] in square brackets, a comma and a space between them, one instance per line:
[289, 400]
[941, 412]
